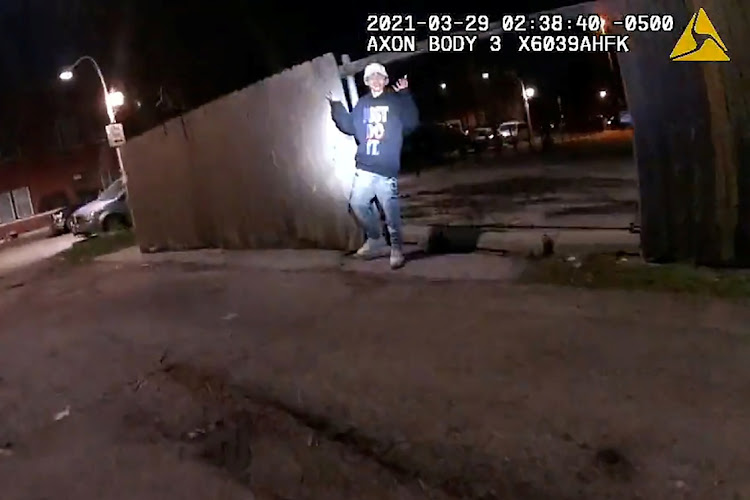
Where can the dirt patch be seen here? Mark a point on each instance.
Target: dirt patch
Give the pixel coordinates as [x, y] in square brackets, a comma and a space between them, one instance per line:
[286, 452]
[631, 273]
[276, 452]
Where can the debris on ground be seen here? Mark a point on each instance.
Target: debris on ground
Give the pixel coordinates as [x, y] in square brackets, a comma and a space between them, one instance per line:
[65, 413]
[548, 246]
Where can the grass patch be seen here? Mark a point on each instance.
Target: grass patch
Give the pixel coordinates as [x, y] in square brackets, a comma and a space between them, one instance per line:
[91, 248]
[609, 271]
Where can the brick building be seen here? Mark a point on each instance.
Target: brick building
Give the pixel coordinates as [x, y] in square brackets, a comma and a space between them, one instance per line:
[53, 152]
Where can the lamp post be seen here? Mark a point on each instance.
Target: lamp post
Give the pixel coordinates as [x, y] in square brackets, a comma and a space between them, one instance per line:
[603, 96]
[112, 100]
[528, 93]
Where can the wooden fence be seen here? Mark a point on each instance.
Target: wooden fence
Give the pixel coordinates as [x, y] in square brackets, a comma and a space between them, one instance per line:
[262, 167]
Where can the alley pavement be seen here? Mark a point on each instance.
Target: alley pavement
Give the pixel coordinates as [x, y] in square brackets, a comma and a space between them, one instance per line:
[123, 379]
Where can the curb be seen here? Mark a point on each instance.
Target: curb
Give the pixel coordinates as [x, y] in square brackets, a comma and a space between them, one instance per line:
[461, 239]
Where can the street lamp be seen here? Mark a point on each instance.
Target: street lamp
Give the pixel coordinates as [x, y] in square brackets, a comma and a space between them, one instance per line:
[485, 76]
[602, 94]
[115, 99]
[528, 93]
[112, 99]
[443, 86]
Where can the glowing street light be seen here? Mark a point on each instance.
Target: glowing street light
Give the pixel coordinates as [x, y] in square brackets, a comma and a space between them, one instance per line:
[115, 99]
[602, 94]
[485, 76]
[443, 86]
[112, 99]
[527, 93]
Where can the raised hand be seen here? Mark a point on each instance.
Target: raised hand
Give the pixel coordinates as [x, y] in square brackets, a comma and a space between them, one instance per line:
[401, 84]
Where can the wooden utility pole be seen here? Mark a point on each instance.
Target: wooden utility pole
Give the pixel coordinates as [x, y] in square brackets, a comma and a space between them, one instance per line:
[728, 95]
[691, 143]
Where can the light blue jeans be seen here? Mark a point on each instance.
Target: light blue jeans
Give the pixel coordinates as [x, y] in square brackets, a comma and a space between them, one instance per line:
[367, 186]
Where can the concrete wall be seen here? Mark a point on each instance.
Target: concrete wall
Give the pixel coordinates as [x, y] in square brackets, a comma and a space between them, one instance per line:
[261, 167]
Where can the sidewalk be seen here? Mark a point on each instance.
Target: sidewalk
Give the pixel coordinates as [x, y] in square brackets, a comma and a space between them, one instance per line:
[453, 267]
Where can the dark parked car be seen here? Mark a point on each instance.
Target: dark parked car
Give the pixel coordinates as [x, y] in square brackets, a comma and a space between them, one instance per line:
[482, 138]
[432, 143]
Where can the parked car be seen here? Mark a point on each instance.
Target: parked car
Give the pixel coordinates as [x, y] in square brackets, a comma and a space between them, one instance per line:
[482, 138]
[108, 212]
[456, 125]
[434, 143]
[620, 121]
[513, 132]
[626, 120]
[60, 220]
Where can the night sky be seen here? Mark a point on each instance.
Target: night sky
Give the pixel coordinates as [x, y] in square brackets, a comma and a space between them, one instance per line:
[198, 50]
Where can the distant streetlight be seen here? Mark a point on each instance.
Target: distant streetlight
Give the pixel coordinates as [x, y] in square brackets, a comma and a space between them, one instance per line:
[112, 99]
[485, 76]
[602, 94]
[528, 93]
[443, 86]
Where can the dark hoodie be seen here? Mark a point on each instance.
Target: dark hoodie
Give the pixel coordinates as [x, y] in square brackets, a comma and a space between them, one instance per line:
[379, 125]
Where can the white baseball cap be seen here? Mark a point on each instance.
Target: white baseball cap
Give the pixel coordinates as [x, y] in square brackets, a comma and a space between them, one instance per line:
[375, 69]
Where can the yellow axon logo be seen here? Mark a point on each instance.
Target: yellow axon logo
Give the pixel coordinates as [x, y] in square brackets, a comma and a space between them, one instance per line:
[700, 42]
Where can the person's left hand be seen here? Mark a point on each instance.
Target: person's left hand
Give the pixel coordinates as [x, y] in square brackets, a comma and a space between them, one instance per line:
[401, 84]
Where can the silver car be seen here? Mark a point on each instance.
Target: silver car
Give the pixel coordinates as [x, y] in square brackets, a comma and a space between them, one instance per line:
[108, 212]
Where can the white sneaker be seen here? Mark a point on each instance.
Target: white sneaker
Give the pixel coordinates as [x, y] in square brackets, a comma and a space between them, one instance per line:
[373, 248]
[397, 258]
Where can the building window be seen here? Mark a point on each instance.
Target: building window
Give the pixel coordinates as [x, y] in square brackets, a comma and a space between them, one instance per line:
[22, 202]
[7, 212]
[15, 205]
